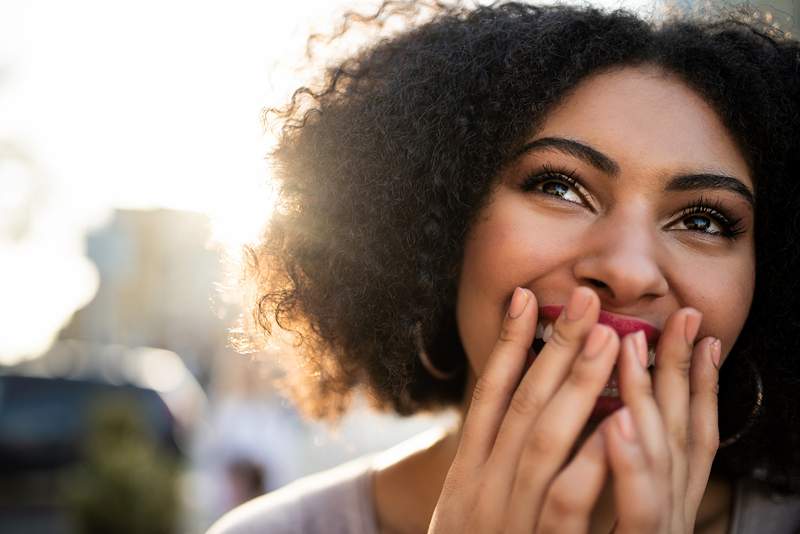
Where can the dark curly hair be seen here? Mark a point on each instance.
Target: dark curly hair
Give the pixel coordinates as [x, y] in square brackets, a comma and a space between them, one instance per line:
[384, 166]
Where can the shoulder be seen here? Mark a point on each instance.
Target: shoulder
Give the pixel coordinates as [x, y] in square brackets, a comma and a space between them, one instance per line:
[335, 501]
[758, 509]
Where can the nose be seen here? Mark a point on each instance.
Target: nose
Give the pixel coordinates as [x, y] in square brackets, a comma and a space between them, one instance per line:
[620, 261]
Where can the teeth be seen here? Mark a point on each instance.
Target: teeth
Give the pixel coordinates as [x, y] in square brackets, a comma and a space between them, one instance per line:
[545, 332]
[610, 391]
[548, 333]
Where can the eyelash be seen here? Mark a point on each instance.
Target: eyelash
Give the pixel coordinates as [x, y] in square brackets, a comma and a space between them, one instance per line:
[731, 226]
[552, 173]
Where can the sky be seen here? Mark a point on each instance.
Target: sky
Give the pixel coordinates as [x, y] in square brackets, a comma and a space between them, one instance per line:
[148, 104]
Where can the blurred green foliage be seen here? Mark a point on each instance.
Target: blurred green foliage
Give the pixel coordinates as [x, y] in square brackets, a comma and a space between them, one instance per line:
[126, 485]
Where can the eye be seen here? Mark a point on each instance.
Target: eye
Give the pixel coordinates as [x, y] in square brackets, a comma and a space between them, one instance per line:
[556, 183]
[700, 223]
[710, 219]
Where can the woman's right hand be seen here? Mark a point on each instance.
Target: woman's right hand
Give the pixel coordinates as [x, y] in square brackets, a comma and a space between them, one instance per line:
[509, 473]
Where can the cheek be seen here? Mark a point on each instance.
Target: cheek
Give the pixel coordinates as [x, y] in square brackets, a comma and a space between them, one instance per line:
[724, 296]
[510, 246]
[479, 312]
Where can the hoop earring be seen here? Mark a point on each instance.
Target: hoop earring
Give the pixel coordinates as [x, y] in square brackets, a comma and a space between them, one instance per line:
[425, 359]
[754, 413]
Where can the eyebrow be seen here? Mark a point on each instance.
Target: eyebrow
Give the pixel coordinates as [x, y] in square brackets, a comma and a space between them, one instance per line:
[688, 182]
[574, 148]
[595, 158]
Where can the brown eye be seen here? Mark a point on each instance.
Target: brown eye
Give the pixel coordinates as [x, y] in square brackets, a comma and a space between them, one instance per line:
[704, 224]
[555, 188]
[555, 184]
[708, 219]
[700, 223]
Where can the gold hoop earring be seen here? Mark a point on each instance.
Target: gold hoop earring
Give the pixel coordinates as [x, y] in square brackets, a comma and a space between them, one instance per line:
[425, 359]
[755, 413]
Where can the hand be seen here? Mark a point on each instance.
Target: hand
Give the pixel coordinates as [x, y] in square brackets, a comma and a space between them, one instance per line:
[508, 474]
[662, 444]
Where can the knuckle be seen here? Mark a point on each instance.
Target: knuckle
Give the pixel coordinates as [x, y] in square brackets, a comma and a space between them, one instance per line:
[539, 444]
[677, 358]
[508, 334]
[680, 439]
[707, 443]
[683, 365]
[456, 477]
[712, 446]
[562, 504]
[582, 375]
[526, 402]
[484, 389]
[450, 488]
[561, 337]
[711, 453]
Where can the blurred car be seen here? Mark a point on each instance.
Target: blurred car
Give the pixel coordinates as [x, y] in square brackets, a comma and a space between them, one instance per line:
[46, 430]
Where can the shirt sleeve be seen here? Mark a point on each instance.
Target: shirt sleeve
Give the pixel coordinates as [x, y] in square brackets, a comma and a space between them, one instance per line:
[338, 501]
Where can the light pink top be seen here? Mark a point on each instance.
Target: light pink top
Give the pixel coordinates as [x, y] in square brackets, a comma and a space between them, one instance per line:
[339, 501]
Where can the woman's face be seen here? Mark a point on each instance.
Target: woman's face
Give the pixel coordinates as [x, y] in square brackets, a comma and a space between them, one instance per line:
[632, 187]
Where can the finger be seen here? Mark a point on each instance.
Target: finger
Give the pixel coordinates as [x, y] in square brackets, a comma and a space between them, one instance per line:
[554, 433]
[636, 390]
[639, 499]
[568, 505]
[562, 420]
[704, 431]
[671, 388]
[671, 374]
[497, 382]
[537, 387]
[545, 376]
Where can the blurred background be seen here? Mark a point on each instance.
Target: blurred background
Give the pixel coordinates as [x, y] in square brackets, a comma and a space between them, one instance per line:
[131, 173]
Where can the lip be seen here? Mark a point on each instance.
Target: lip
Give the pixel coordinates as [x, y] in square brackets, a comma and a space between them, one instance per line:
[622, 324]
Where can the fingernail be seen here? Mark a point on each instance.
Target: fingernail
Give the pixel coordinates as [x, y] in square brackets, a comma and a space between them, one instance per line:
[578, 303]
[519, 300]
[596, 341]
[625, 424]
[716, 352]
[641, 348]
[692, 325]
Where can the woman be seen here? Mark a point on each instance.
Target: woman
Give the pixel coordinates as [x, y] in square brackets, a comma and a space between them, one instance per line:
[564, 222]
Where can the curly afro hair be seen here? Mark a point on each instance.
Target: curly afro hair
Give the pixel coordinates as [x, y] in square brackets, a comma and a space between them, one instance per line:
[384, 167]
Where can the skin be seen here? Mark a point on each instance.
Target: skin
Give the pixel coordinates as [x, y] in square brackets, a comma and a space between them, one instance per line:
[622, 243]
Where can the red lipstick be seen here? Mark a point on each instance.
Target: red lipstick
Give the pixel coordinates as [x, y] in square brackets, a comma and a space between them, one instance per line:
[622, 324]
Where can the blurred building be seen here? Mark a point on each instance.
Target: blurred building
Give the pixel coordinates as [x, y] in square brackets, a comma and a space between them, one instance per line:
[157, 287]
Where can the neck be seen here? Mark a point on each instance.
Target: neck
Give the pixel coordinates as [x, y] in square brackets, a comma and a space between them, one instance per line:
[409, 478]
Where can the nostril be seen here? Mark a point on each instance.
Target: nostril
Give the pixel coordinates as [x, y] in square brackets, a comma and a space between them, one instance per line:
[597, 283]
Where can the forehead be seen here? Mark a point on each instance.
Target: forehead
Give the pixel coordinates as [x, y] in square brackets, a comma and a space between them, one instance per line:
[647, 120]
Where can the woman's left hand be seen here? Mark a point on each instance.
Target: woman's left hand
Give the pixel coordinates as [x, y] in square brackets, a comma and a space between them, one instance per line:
[661, 447]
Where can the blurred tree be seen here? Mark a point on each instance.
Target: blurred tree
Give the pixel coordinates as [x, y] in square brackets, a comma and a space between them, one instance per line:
[127, 485]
